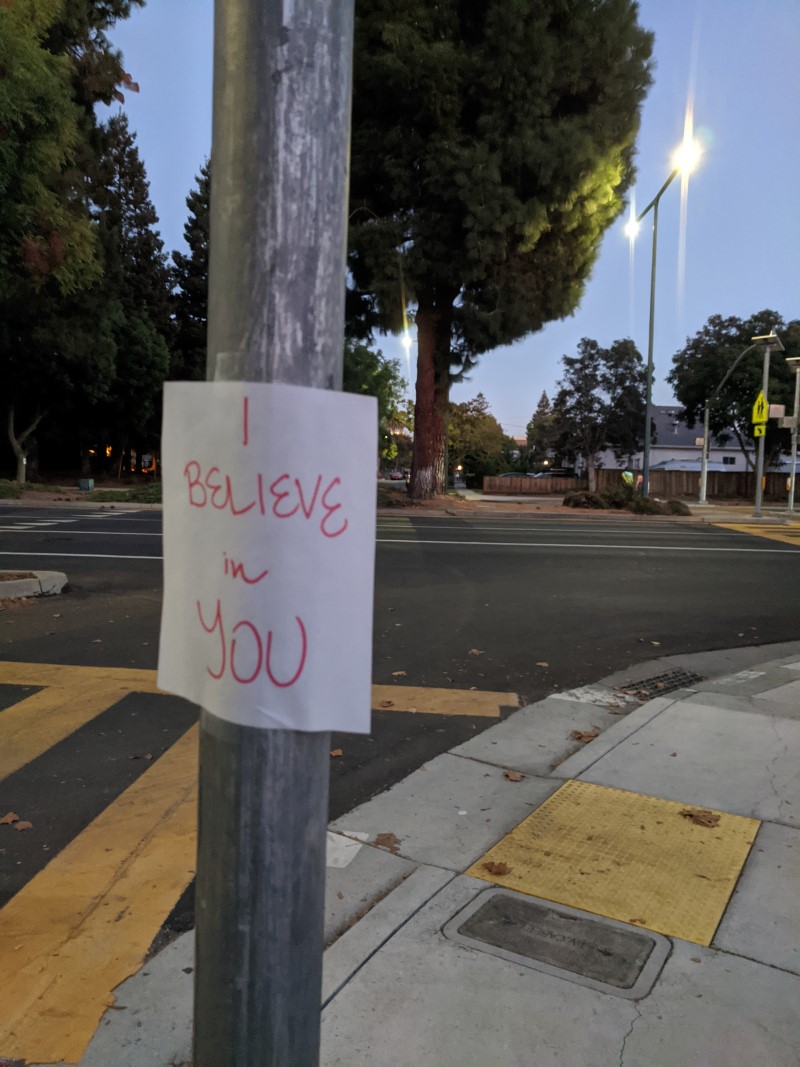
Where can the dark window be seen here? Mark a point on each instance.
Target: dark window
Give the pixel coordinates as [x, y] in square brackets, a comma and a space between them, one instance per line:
[729, 461]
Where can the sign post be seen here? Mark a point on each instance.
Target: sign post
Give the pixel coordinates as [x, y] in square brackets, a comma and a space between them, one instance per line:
[282, 79]
[768, 342]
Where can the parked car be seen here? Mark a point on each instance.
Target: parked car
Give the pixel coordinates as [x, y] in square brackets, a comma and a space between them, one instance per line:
[517, 474]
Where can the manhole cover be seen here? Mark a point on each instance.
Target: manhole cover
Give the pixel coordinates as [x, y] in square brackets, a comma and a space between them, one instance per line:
[564, 942]
[659, 684]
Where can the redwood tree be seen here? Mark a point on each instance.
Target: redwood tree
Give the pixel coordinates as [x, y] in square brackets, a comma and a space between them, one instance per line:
[492, 146]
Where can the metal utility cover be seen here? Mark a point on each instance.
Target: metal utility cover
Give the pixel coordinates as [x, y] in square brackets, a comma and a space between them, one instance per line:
[635, 858]
[563, 942]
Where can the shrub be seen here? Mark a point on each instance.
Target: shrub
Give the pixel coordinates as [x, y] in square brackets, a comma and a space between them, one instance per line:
[141, 494]
[10, 490]
[584, 499]
[617, 496]
[677, 507]
[645, 505]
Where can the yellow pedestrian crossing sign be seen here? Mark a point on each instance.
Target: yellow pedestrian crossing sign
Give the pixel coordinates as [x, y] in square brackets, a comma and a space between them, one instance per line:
[760, 410]
[760, 429]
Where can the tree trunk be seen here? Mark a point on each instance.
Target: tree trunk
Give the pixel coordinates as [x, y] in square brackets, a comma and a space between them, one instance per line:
[434, 324]
[591, 473]
[32, 466]
[86, 463]
[17, 442]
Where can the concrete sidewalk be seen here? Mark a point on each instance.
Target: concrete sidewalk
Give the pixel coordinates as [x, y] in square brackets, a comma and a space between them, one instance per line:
[669, 842]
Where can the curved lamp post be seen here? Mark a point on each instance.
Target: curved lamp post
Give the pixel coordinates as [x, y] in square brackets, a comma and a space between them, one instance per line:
[686, 159]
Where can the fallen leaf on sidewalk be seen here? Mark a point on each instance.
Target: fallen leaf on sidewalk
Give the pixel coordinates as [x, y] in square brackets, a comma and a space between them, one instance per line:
[475, 652]
[700, 817]
[542, 663]
[673, 753]
[398, 674]
[388, 841]
[336, 752]
[23, 824]
[497, 868]
[642, 921]
[584, 736]
[97, 641]
[11, 817]
[339, 895]
[695, 959]
[57, 615]
[386, 704]
[513, 776]
[656, 643]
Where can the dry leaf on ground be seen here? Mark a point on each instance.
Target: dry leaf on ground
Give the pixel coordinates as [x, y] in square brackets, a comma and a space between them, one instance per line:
[10, 817]
[386, 704]
[497, 868]
[388, 841]
[23, 824]
[701, 817]
[584, 736]
[513, 776]
[475, 652]
[542, 663]
[398, 674]
[336, 752]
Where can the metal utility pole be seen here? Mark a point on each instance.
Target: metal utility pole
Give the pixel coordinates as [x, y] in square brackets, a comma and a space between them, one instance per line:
[769, 342]
[282, 80]
[706, 415]
[794, 363]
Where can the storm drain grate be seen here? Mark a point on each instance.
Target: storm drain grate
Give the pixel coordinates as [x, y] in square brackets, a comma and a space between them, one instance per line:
[563, 942]
[659, 684]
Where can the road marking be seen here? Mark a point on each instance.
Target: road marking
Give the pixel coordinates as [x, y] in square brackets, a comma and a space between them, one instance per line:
[74, 533]
[789, 535]
[412, 698]
[83, 924]
[116, 682]
[627, 856]
[33, 725]
[559, 544]
[75, 555]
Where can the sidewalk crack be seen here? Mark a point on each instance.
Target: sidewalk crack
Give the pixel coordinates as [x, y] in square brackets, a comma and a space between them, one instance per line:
[634, 1021]
[771, 767]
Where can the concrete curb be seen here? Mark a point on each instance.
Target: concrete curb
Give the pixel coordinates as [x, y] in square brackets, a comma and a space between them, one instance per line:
[45, 583]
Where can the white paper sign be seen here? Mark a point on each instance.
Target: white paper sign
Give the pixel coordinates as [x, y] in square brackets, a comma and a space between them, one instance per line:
[269, 548]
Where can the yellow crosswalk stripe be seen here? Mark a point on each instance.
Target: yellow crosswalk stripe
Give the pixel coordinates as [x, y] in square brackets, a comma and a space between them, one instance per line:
[788, 535]
[411, 698]
[84, 923]
[31, 726]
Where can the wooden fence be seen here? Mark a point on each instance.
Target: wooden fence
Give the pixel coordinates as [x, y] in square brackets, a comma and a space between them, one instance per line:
[722, 485]
[524, 486]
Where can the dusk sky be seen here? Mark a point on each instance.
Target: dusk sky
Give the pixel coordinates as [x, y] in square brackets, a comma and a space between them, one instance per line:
[742, 239]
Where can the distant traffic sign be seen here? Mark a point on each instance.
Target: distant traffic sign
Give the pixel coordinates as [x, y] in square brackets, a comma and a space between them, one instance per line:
[759, 429]
[760, 410]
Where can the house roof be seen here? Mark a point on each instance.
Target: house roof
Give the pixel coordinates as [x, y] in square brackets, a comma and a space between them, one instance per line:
[672, 431]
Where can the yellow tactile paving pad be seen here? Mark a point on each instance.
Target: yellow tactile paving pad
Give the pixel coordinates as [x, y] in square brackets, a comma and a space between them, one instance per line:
[627, 856]
[788, 535]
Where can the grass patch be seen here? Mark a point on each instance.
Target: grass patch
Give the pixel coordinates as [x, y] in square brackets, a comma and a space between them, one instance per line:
[140, 494]
[10, 490]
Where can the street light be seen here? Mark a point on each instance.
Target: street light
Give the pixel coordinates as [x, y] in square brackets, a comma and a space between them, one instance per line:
[768, 341]
[794, 363]
[684, 161]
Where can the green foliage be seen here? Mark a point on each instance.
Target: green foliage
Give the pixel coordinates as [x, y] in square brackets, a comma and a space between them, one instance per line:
[646, 505]
[44, 232]
[676, 507]
[190, 280]
[492, 145]
[475, 439]
[369, 373]
[601, 401]
[618, 497]
[141, 494]
[701, 365]
[10, 490]
[584, 499]
[541, 431]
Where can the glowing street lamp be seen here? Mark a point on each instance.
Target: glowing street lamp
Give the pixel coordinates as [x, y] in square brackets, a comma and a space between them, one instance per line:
[684, 161]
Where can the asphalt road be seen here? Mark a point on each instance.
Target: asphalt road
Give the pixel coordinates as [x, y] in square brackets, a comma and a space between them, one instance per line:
[525, 605]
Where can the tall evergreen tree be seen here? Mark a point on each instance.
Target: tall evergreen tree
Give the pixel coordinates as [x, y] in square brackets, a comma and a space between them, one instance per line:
[492, 145]
[190, 280]
[136, 279]
[601, 402]
[540, 430]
